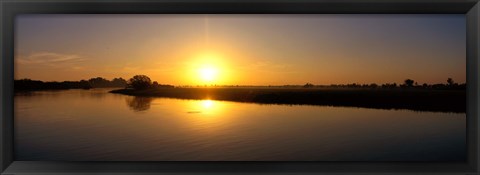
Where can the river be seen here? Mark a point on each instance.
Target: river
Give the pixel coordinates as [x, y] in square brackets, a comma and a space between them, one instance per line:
[94, 125]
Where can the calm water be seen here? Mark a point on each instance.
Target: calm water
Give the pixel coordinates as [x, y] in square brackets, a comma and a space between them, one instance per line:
[96, 125]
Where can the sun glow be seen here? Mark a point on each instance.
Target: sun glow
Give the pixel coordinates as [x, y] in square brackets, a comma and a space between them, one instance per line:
[208, 74]
[207, 68]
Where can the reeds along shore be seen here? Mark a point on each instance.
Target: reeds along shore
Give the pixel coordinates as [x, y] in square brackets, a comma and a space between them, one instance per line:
[453, 100]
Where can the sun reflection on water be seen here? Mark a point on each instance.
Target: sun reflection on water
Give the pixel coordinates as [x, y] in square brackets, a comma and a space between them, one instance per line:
[207, 104]
[205, 107]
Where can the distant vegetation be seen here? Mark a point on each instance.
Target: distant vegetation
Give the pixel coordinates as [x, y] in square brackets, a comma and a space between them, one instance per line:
[137, 82]
[408, 83]
[408, 98]
[99, 82]
[141, 82]
[449, 97]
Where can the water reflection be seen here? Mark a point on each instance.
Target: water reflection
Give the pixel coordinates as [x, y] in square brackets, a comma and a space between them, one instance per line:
[200, 106]
[94, 94]
[225, 131]
[207, 104]
[139, 104]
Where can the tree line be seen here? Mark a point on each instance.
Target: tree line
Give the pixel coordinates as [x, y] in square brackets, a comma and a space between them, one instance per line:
[141, 82]
[408, 83]
[98, 82]
[136, 82]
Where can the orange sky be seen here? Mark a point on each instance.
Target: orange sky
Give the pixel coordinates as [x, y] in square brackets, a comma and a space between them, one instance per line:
[243, 49]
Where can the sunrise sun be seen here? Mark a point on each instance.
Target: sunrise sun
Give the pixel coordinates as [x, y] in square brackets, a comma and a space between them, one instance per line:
[208, 68]
[208, 74]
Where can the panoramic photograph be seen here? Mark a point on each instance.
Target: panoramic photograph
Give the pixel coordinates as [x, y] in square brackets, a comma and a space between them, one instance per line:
[249, 87]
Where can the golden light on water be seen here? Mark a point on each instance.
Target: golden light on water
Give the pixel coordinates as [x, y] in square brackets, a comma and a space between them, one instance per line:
[209, 116]
[204, 107]
[207, 107]
[207, 104]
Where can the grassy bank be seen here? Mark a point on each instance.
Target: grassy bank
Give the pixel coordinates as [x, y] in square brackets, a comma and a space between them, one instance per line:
[413, 99]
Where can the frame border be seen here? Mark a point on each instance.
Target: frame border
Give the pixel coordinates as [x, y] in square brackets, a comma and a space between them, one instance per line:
[9, 9]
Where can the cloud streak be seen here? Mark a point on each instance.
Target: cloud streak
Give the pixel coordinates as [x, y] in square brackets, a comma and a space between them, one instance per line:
[50, 59]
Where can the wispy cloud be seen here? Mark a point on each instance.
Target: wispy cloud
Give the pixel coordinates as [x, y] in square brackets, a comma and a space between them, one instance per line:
[50, 59]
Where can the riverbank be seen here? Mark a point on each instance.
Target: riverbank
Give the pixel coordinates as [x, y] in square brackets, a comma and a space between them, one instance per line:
[412, 99]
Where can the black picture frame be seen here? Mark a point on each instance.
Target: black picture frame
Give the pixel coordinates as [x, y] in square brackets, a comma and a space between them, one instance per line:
[10, 8]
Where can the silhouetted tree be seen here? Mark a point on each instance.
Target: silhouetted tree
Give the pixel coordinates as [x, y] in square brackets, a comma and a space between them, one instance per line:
[155, 84]
[84, 84]
[409, 82]
[308, 85]
[119, 82]
[99, 82]
[450, 82]
[140, 82]
[425, 85]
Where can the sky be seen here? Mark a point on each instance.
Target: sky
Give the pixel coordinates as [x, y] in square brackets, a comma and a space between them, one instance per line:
[242, 49]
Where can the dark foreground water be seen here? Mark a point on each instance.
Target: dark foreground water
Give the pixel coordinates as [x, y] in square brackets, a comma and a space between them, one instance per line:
[94, 125]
